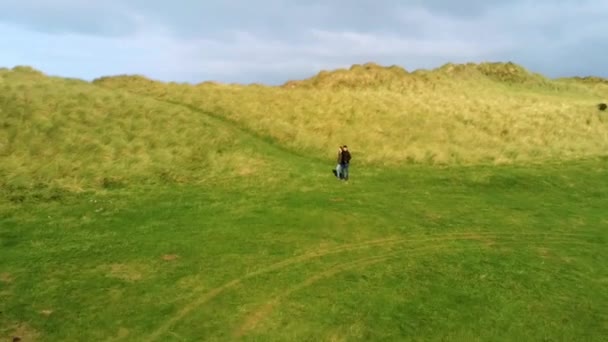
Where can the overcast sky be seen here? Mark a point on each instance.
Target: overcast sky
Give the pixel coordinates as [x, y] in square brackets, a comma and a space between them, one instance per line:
[272, 41]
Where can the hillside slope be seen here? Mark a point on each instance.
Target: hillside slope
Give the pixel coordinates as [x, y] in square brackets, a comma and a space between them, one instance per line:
[76, 135]
[456, 114]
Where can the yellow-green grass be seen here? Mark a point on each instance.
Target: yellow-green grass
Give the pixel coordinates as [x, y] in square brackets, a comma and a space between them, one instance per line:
[456, 114]
[71, 134]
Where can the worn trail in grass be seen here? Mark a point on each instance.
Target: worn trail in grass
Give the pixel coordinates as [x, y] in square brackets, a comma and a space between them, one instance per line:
[461, 253]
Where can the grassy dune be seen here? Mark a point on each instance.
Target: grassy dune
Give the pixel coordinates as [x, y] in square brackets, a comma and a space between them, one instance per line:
[75, 134]
[71, 134]
[457, 114]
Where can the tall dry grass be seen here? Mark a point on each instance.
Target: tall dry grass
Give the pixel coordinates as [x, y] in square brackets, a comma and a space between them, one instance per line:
[72, 134]
[457, 114]
[75, 134]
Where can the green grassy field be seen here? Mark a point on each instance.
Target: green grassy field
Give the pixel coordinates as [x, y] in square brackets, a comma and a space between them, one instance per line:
[132, 215]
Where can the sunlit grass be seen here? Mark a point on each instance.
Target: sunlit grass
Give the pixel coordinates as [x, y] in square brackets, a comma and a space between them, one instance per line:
[72, 134]
[75, 134]
[458, 114]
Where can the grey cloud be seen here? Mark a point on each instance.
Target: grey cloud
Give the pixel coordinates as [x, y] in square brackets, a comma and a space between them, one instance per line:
[272, 40]
[61, 17]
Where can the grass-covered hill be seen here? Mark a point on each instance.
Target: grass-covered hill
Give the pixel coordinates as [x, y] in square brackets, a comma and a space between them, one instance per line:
[122, 129]
[72, 134]
[456, 114]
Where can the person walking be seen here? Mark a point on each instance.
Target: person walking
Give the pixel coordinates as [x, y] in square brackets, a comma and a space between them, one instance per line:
[337, 171]
[344, 160]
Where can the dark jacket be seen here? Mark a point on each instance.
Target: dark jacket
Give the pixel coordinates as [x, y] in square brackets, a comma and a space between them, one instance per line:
[344, 157]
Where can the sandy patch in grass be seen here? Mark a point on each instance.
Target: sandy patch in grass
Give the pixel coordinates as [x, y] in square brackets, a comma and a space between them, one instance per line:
[336, 338]
[130, 272]
[254, 319]
[170, 257]
[6, 278]
[46, 312]
[23, 333]
[544, 252]
[190, 282]
[122, 334]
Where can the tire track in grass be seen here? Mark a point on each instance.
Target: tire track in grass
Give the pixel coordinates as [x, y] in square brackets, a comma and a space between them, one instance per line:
[253, 319]
[265, 309]
[201, 299]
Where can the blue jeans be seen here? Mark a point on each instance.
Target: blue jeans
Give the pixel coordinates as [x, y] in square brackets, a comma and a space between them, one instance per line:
[343, 173]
